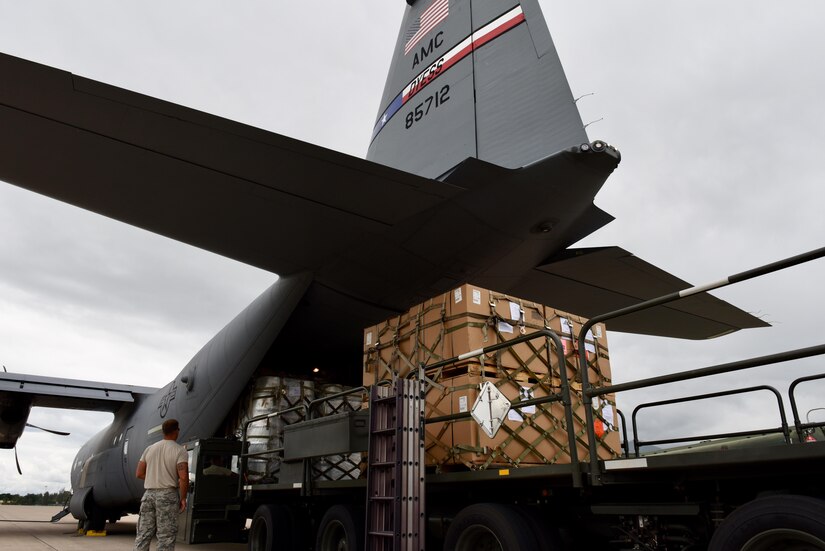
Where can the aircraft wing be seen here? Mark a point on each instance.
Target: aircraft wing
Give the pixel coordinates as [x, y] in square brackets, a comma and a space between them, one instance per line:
[241, 192]
[54, 392]
[19, 393]
[603, 279]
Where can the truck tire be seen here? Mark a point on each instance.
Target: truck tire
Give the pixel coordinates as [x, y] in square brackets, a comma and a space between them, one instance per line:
[546, 534]
[272, 523]
[340, 529]
[786, 522]
[490, 526]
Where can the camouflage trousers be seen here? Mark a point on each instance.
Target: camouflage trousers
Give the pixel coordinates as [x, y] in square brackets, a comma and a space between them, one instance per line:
[158, 515]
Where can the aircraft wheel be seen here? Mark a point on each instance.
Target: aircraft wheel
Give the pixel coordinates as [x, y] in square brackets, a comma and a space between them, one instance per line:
[341, 529]
[490, 527]
[787, 522]
[95, 519]
[272, 523]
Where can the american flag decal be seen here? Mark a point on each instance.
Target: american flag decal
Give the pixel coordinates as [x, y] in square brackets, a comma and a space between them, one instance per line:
[477, 39]
[427, 21]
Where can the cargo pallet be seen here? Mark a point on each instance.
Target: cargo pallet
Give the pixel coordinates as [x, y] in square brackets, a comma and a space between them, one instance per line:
[757, 490]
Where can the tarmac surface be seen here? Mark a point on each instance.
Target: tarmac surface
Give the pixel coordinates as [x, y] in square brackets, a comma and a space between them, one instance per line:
[27, 528]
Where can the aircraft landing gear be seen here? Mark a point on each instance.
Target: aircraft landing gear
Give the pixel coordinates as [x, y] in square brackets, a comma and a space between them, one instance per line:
[95, 522]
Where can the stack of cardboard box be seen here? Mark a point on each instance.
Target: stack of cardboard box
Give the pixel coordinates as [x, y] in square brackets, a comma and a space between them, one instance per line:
[469, 318]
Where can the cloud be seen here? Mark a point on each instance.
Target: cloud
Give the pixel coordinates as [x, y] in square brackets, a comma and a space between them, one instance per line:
[715, 107]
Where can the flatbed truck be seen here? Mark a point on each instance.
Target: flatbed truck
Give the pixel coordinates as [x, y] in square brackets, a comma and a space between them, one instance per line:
[749, 490]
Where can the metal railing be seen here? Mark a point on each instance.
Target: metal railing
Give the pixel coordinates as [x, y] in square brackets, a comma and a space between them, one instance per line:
[308, 411]
[344, 406]
[625, 441]
[783, 428]
[590, 392]
[802, 428]
[245, 455]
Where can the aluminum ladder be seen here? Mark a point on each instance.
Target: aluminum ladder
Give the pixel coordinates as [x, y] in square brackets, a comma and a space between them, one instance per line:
[395, 478]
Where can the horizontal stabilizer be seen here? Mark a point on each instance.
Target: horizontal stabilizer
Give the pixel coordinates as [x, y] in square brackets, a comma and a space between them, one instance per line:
[377, 238]
[219, 185]
[283, 205]
[595, 281]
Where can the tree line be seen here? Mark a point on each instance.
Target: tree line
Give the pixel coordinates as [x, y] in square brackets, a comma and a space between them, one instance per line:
[46, 498]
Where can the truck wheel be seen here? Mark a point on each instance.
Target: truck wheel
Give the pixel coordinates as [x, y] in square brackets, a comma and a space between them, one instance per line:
[490, 527]
[271, 523]
[340, 529]
[785, 522]
[547, 536]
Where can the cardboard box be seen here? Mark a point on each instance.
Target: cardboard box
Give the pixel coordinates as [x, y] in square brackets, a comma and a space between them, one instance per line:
[531, 436]
[470, 318]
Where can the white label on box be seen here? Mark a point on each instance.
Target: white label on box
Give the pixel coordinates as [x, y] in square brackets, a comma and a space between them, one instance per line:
[476, 296]
[515, 311]
[567, 329]
[514, 415]
[505, 327]
[526, 393]
[369, 338]
[598, 330]
[457, 294]
[607, 414]
[462, 404]
[294, 390]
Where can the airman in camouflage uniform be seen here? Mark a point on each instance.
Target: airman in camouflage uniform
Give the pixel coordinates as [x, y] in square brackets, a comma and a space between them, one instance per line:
[164, 467]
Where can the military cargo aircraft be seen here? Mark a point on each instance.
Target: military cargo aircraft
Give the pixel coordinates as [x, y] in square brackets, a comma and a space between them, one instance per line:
[479, 169]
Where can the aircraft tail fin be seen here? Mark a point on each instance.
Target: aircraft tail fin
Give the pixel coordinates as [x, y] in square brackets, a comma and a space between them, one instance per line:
[474, 78]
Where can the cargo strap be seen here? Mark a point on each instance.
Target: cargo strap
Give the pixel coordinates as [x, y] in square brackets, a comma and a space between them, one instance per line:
[423, 336]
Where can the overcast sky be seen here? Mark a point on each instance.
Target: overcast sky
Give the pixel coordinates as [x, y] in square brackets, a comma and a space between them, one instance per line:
[715, 107]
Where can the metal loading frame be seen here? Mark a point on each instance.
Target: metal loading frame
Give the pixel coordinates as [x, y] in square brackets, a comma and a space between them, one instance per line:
[307, 411]
[590, 392]
[336, 467]
[272, 451]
